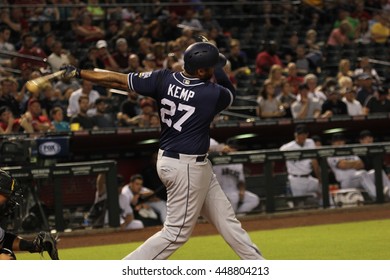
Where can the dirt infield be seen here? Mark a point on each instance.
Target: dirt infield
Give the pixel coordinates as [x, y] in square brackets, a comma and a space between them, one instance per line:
[94, 237]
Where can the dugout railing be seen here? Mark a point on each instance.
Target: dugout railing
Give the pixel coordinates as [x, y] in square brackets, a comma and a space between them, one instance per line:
[30, 176]
[268, 158]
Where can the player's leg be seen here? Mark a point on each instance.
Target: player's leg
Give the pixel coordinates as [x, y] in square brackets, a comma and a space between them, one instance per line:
[135, 224]
[367, 183]
[218, 211]
[186, 189]
[251, 201]
[161, 208]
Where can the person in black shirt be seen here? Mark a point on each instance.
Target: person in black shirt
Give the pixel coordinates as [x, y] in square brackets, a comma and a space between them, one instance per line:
[84, 121]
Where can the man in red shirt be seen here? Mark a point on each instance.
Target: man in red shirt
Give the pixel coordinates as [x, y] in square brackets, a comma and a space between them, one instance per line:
[266, 58]
[29, 49]
[39, 122]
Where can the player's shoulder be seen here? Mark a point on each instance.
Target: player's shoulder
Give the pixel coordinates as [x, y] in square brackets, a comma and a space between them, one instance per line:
[288, 146]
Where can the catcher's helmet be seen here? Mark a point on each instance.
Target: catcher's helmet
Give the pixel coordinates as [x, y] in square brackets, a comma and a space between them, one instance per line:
[7, 183]
[200, 55]
[10, 189]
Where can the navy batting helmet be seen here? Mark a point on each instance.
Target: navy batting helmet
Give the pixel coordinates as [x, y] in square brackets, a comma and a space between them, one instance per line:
[200, 55]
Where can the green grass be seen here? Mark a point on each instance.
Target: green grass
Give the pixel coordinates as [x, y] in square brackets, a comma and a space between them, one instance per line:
[347, 241]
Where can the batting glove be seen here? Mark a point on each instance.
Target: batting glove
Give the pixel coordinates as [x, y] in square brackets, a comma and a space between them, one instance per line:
[70, 72]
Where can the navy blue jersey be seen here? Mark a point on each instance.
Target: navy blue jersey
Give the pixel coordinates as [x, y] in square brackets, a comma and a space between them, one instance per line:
[186, 106]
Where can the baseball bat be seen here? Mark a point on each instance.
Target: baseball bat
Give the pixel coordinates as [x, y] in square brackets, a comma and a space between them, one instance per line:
[35, 85]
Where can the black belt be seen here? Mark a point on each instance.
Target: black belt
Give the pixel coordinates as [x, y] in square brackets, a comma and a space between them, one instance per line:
[300, 176]
[177, 156]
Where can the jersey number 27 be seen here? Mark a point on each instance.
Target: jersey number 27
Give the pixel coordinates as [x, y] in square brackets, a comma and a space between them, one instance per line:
[169, 111]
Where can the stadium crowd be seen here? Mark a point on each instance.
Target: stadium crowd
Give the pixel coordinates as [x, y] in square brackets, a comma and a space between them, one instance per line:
[311, 59]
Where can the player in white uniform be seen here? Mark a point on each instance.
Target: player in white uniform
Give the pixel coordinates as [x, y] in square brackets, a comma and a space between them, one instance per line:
[349, 170]
[232, 180]
[300, 171]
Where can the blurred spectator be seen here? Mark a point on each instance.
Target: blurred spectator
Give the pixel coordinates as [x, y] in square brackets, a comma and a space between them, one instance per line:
[208, 20]
[149, 62]
[102, 118]
[144, 47]
[191, 21]
[121, 55]
[266, 58]
[85, 90]
[8, 124]
[311, 81]
[90, 60]
[154, 120]
[345, 69]
[311, 42]
[360, 12]
[47, 43]
[301, 61]
[276, 78]
[268, 105]
[147, 109]
[49, 98]
[97, 12]
[380, 30]
[353, 106]
[85, 31]
[339, 35]
[6, 46]
[237, 58]
[39, 122]
[10, 95]
[288, 52]
[171, 29]
[65, 84]
[286, 98]
[305, 107]
[16, 21]
[378, 102]
[160, 54]
[292, 77]
[57, 119]
[129, 108]
[154, 31]
[58, 57]
[365, 66]
[134, 63]
[104, 55]
[29, 49]
[363, 33]
[333, 106]
[344, 16]
[81, 120]
[365, 88]
[345, 82]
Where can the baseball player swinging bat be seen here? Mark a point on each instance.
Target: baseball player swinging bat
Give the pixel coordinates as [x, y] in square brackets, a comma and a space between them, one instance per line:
[35, 85]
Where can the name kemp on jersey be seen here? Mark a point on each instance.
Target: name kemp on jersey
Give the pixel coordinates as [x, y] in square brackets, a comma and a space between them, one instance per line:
[180, 93]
